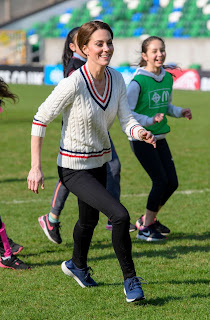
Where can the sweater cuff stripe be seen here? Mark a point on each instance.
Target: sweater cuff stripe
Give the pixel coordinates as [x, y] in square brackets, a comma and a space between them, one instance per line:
[39, 124]
[134, 131]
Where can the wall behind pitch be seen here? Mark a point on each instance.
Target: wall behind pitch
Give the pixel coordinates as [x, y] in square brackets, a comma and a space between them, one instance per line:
[181, 51]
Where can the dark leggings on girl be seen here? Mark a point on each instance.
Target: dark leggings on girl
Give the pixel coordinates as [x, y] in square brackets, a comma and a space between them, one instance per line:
[159, 165]
[90, 188]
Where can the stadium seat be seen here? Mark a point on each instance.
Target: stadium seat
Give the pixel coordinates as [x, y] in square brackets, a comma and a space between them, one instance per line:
[132, 18]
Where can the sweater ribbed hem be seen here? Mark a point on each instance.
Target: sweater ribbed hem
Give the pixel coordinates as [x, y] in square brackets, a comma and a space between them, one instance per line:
[83, 163]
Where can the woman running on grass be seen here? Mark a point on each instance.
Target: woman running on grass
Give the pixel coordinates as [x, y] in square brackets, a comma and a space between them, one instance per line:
[73, 58]
[90, 99]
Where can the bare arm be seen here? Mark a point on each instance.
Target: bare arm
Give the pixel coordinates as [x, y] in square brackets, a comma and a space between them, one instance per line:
[35, 176]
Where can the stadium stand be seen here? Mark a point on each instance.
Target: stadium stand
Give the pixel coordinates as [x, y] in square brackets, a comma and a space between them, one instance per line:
[132, 18]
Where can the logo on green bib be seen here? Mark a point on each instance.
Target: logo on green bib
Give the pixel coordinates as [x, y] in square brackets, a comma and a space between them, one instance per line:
[159, 98]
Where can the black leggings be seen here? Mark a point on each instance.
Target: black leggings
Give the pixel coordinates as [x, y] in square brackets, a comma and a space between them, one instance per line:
[90, 188]
[159, 165]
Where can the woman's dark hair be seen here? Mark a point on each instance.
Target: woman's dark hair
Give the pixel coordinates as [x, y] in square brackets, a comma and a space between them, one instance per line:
[144, 48]
[67, 52]
[88, 28]
[6, 93]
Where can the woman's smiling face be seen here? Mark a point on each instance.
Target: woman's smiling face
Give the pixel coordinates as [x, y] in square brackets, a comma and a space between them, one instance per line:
[99, 49]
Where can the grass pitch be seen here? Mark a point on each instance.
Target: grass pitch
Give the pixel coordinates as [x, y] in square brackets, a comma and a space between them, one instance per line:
[177, 270]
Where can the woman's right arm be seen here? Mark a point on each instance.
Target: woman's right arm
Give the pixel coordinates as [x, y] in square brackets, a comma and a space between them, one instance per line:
[35, 176]
[61, 97]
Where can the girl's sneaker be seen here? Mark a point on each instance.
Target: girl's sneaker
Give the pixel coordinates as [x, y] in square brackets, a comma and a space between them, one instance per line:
[109, 225]
[159, 226]
[13, 263]
[51, 230]
[150, 234]
[131, 228]
[15, 248]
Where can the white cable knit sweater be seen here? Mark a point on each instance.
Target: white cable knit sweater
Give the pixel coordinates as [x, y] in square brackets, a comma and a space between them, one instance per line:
[87, 117]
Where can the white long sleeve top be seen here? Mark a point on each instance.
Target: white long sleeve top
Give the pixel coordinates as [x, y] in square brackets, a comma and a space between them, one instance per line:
[87, 117]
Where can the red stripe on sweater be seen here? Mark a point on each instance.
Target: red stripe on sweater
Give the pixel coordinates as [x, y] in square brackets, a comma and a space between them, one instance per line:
[93, 88]
[84, 157]
[39, 124]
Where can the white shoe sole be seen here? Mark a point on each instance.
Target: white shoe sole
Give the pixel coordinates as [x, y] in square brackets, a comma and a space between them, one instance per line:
[132, 300]
[148, 238]
[70, 274]
[108, 227]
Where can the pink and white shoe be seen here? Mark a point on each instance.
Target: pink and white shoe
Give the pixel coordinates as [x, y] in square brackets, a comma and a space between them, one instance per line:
[131, 228]
[50, 229]
[109, 225]
[13, 263]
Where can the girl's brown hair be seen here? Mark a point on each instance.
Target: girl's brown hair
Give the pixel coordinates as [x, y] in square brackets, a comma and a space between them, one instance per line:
[6, 93]
[87, 29]
[144, 48]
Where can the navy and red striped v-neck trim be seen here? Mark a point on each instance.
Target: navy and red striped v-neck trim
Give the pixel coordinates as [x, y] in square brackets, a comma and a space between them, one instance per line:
[101, 101]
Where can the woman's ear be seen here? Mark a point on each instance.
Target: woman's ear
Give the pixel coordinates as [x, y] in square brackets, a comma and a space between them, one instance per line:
[85, 50]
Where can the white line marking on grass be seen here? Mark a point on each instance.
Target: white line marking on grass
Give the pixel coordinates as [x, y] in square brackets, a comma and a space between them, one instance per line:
[24, 201]
[186, 192]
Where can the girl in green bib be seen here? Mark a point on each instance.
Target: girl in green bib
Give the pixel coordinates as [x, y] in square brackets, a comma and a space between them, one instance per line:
[149, 96]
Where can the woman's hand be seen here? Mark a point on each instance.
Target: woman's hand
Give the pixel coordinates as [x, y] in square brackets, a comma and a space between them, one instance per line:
[158, 118]
[35, 177]
[187, 113]
[147, 137]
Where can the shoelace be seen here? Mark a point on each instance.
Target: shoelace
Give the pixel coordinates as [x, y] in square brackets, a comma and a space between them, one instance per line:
[88, 273]
[157, 222]
[136, 283]
[58, 227]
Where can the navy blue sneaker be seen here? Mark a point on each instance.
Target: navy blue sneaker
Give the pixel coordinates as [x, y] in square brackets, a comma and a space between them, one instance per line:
[133, 290]
[82, 276]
